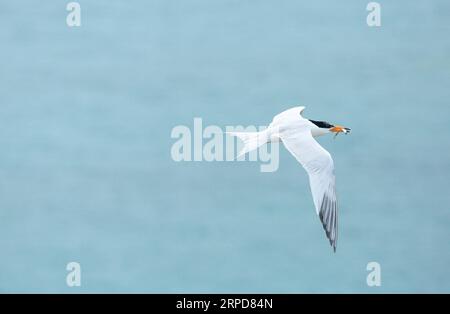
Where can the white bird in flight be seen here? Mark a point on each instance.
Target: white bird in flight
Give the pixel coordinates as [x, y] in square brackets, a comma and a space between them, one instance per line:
[297, 135]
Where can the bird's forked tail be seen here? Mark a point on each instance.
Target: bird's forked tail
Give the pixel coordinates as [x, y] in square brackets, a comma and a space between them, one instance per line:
[251, 140]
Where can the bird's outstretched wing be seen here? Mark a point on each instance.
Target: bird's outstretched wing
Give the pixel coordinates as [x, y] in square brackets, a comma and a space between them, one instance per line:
[292, 113]
[319, 166]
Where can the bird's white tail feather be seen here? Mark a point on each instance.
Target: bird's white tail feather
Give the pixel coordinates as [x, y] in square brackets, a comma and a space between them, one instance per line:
[251, 140]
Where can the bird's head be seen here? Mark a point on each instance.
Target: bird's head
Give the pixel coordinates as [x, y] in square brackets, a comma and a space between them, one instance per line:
[325, 127]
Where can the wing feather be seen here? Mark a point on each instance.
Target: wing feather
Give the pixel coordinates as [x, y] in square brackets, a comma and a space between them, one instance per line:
[320, 168]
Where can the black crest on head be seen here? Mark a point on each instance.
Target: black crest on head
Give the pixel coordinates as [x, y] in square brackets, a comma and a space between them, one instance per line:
[322, 124]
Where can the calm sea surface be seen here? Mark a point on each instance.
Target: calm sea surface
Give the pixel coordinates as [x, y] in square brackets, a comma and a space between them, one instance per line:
[86, 173]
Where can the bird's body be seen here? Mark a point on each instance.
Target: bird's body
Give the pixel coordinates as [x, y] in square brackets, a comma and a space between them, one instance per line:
[297, 134]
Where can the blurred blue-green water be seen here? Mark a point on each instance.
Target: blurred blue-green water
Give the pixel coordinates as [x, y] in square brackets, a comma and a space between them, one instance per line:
[86, 173]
